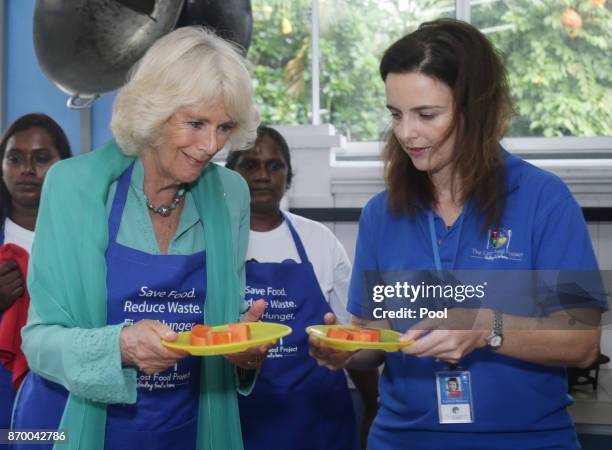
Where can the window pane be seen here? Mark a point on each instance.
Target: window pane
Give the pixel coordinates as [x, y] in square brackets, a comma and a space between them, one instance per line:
[354, 34]
[280, 54]
[557, 54]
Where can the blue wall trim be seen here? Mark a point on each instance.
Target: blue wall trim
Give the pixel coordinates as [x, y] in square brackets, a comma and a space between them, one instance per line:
[26, 89]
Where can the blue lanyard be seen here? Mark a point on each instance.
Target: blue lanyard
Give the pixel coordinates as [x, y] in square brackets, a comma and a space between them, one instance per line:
[434, 241]
[436, 252]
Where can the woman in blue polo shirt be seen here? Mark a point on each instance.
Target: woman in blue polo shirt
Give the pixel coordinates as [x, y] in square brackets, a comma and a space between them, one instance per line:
[456, 200]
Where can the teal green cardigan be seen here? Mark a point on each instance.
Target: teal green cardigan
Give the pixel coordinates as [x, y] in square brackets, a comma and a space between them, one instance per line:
[67, 340]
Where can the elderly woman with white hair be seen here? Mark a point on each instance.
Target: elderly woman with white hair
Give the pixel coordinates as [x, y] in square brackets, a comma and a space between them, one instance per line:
[139, 240]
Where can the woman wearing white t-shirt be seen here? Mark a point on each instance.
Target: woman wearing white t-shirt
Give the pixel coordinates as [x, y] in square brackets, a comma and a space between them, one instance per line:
[28, 147]
[302, 271]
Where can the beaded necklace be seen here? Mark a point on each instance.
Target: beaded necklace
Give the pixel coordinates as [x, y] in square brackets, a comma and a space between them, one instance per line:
[166, 210]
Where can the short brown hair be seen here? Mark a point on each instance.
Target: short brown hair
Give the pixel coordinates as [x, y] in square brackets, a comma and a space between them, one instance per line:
[460, 56]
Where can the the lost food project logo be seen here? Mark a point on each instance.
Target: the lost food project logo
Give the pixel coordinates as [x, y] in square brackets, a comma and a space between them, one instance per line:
[498, 246]
[499, 238]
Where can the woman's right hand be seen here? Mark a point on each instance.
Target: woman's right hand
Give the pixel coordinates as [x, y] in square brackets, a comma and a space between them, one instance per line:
[12, 285]
[327, 356]
[141, 346]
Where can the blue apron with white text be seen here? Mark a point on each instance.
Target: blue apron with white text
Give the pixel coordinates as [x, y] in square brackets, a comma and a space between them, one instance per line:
[171, 289]
[295, 404]
[167, 288]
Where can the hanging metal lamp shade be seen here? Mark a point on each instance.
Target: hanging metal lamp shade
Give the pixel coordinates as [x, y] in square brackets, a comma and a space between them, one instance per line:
[86, 47]
[231, 19]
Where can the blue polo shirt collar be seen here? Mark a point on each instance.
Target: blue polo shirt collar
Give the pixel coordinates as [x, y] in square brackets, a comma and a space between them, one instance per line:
[513, 176]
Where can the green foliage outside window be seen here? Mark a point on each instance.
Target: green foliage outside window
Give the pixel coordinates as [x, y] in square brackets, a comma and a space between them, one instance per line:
[559, 63]
[558, 57]
[354, 35]
[280, 54]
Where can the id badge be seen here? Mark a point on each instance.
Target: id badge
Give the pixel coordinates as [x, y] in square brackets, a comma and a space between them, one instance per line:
[454, 396]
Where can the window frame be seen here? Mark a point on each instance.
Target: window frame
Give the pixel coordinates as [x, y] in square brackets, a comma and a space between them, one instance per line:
[570, 147]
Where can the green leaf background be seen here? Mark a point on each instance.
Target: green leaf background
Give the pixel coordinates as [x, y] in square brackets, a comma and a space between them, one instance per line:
[560, 79]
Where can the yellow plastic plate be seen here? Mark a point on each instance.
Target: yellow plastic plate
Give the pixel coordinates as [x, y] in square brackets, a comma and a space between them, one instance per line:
[261, 333]
[388, 339]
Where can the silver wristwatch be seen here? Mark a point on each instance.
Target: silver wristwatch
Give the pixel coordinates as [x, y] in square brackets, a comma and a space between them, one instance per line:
[496, 339]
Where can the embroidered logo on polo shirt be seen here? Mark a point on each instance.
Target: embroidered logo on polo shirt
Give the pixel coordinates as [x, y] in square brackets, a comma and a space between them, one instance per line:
[499, 238]
[498, 246]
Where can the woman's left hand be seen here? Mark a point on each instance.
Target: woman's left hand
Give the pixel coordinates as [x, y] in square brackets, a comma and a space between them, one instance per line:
[253, 357]
[452, 338]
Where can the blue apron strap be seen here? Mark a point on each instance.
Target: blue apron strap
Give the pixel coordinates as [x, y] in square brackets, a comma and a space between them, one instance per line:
[296, 240]
[114, 219]
[2, 232]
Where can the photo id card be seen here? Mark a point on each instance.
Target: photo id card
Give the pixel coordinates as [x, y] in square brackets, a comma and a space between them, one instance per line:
[454, 389]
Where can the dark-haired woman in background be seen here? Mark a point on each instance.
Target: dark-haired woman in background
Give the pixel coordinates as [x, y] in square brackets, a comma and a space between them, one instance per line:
[301, 269]
[29, 146]
[456, 199]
